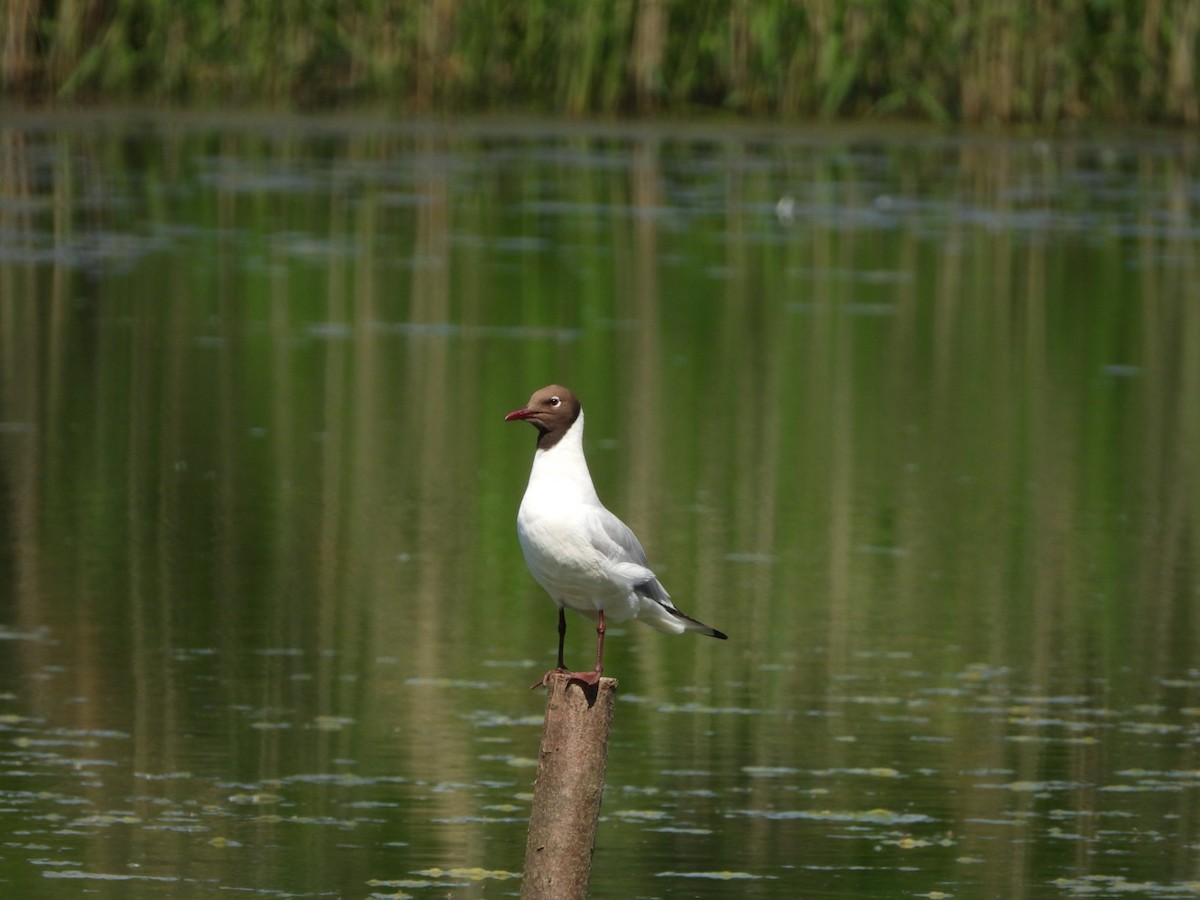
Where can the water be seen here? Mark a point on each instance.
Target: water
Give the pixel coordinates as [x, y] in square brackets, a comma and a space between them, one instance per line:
[912, 417]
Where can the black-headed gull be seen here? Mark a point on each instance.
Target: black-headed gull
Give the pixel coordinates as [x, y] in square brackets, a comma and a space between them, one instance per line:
[586, 558]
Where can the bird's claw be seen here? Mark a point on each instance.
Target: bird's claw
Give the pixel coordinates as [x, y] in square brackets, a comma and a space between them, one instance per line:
[545, 679]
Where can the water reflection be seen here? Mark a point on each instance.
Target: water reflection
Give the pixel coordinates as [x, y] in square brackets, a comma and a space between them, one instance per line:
[926, 448]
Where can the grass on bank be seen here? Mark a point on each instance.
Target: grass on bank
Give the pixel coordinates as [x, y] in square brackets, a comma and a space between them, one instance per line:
[970, 60]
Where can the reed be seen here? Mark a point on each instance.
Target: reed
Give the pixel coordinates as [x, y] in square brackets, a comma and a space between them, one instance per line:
[1041, 61]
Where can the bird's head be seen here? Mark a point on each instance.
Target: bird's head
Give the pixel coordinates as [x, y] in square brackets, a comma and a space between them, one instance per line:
[552, 410]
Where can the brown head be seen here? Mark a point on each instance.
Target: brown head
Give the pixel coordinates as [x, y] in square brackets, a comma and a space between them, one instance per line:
[552, 411]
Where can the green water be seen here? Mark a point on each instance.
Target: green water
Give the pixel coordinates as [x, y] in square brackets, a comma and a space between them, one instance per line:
[923, 439]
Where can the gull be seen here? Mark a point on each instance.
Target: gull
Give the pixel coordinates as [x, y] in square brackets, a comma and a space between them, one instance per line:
[585, 557]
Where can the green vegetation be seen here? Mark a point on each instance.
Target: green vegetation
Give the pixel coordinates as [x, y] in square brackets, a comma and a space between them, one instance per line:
[972, 61]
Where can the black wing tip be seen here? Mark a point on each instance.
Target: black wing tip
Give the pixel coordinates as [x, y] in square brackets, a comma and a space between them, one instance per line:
[645, 590]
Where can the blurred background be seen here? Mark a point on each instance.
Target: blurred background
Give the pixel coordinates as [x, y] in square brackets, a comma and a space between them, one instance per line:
[970, 61]
[901, 396]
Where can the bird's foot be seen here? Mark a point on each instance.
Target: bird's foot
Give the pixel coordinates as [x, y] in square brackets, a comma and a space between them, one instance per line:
[585, 679]
[545, 679]
[590, 679]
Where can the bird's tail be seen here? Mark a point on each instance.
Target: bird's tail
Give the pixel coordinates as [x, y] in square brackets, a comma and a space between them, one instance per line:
[690, 624]
[660, 613]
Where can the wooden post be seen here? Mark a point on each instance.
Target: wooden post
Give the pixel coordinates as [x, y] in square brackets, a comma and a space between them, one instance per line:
[566, 796]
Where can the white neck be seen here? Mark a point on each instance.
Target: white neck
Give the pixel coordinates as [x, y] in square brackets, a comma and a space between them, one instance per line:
[562, 470]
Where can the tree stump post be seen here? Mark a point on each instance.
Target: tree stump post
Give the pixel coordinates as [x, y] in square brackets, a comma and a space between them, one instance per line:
[566, 795]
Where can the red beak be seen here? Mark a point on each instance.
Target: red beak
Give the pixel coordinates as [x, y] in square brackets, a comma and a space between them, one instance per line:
[519, 414]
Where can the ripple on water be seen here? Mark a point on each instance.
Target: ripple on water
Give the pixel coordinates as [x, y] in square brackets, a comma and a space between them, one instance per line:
[1106, 885]
[869, 816]
[717, 876]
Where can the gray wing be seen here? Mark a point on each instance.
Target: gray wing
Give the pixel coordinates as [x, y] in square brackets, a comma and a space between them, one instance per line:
[618, 543]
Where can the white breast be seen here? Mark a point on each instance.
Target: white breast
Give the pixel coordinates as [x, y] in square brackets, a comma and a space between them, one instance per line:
[558, 527]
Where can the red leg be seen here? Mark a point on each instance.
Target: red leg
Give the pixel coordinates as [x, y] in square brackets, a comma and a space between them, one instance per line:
[593, 678]
[600, 643]
[585, 678]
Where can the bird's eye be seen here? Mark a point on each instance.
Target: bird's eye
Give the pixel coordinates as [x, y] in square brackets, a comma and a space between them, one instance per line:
[555, 401]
